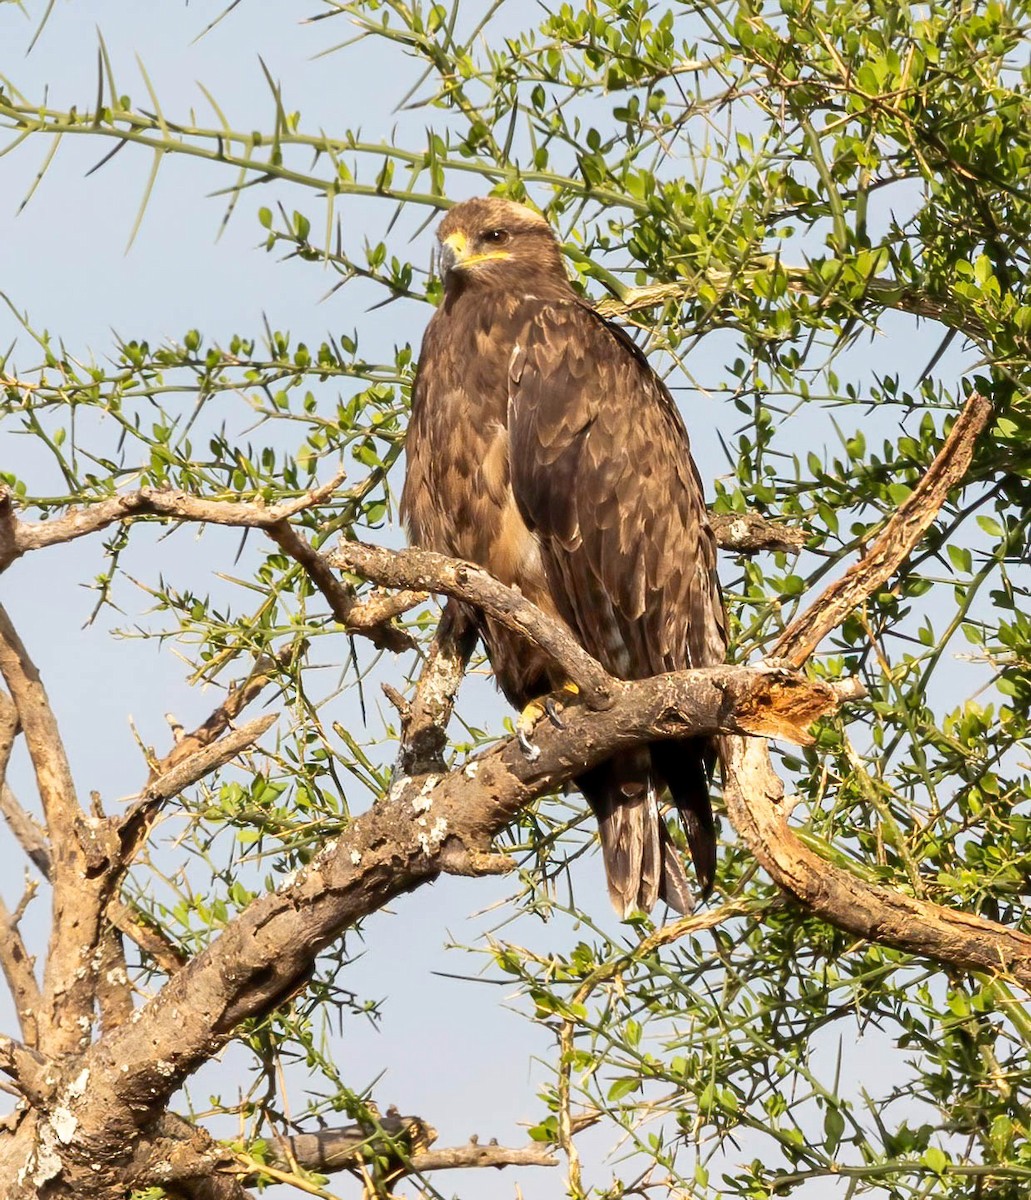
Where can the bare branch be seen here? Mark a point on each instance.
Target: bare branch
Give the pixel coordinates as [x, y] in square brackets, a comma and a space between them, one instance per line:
[746, 533]
[114, 988]
[896, 541]
[20, 537]
[223, 717]
[754, 794]
[423, 570]
[17, 965]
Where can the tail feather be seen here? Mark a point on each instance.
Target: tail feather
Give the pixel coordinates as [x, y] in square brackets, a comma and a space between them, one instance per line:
[624, 801]
[641, 860]
[686, 768]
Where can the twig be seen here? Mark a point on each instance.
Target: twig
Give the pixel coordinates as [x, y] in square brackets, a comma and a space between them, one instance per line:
[135, 823]
[223, 717]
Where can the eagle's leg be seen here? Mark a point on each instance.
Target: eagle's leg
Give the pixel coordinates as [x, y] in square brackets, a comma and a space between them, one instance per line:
[550, 706]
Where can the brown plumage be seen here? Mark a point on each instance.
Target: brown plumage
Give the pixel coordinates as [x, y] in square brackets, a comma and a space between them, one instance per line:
[543, 447]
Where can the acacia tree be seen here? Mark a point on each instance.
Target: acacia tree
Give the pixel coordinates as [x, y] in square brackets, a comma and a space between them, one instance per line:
[771, 186]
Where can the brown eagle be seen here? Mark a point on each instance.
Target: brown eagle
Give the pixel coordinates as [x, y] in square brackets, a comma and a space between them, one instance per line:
[543, 447]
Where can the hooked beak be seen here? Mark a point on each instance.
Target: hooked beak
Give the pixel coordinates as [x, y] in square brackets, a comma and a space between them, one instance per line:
[448, 259]
[452, 250]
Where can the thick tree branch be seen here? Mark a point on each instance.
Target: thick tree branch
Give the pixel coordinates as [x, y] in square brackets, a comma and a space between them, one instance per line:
[894, 544]
[266, 954]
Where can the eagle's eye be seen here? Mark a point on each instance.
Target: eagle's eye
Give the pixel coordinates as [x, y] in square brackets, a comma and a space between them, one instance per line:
[496, 237]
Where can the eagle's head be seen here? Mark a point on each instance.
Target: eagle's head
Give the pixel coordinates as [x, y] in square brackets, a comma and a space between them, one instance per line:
[501, 243]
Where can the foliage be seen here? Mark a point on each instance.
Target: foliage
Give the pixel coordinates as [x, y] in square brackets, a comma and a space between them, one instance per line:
[768, 191]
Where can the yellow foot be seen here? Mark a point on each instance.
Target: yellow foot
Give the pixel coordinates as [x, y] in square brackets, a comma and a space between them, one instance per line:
[549, 706]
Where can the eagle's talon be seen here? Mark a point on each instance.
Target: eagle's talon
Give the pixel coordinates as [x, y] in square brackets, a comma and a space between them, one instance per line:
[531, 751]
[554, 709]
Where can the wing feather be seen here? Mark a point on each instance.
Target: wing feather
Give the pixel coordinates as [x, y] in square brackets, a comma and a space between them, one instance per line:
[602, 472]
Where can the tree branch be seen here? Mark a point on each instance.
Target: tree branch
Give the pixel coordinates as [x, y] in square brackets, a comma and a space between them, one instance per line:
[17, 966]
[423, 570]
[134, 825]
[424, 721]
[894, 544]
[20, 537]
[64, 1015]
[753, 792]
[745, 533]
[754, 797]
[266, 954]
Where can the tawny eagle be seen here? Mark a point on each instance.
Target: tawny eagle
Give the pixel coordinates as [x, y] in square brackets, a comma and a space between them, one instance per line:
[543, 447]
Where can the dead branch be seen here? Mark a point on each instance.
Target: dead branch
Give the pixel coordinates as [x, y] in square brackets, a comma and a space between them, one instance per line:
[745, 533]
[114, 988]
[21, 537]
[895, 542]
[753, 794]
[424, 721]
